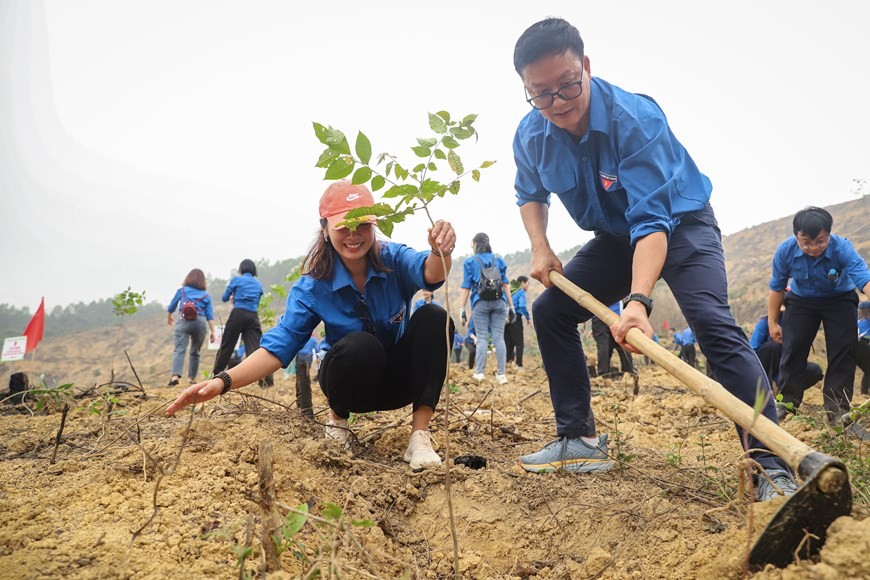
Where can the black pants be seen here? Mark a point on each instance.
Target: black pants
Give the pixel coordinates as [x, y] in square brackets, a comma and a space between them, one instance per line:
[605, 345]
[770, 355]
[457, 354]
[514, 340]
[690, 355]
[241, 322]
[800, 323]
[472, 350]
[862, 358]
[359, 375]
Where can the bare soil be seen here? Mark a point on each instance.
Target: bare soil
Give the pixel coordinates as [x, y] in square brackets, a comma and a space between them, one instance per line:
[670, 509]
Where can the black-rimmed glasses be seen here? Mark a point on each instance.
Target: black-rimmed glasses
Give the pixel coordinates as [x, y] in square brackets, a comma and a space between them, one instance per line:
[362, 311]
[568, 92]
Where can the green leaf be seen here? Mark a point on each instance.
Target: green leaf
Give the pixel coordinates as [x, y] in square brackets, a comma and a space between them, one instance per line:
[366, 523]
[326, 158]
[336, 140]
[455, 162]
[444, 115]
[429, 188]
[419, 168]
[321, 133]
[461, 132]
[295, 273]
[437, 124]
[339, 169]
[430, 142]
[468, 120]
[400, 172]
[295, 521]
[361, 175]
[363, 148]
[450, 142]
[386, 226]
[432, 167]
[475, 175]
[421, 151]
[377, 182]
[439, 154]
[486, 164]
[454, 187]
[389, 168]
[395, 191]
[379, 209]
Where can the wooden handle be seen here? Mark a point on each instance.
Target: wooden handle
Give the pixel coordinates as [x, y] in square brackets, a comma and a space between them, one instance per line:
[790, 449]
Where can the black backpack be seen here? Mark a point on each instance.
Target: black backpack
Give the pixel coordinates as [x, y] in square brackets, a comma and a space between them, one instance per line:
[489, 287]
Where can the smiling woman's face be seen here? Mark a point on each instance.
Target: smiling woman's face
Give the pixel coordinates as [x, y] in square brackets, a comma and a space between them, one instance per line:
[352, 245]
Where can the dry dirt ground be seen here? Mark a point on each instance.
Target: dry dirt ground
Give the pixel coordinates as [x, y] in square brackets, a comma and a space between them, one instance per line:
[665, 511]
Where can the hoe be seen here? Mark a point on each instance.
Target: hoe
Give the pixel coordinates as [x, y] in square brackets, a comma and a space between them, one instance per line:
[802, 522]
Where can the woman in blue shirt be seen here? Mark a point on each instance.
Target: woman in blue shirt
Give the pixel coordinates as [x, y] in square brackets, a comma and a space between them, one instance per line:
[488, 311]
[245, 291]
[824, 270]
[377, 356]
[193, 330]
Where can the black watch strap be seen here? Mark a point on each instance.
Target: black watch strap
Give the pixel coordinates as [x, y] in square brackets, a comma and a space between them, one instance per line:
[643, 299]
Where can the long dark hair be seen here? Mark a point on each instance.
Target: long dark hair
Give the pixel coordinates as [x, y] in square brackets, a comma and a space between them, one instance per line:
[320, 260]
[481, 243]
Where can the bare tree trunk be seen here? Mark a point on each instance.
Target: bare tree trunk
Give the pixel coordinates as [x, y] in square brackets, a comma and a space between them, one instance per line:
[271, 518]
[303, 389]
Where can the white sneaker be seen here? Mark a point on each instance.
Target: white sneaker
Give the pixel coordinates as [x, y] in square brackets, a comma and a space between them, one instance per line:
[501, 379]
[478, 377]
[337, 429]
[420, 453]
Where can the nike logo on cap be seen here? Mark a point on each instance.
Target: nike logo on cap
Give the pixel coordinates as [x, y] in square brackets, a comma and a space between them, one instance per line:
[352, 196]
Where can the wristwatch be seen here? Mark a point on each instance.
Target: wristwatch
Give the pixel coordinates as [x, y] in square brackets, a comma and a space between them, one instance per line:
[645, 300]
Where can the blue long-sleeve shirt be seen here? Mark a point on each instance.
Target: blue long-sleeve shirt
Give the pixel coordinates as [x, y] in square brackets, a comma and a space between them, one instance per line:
[337, 302]
[761, 334]
[246, 292]
[520, 306]
[688, 337]
[199, 297]
[837, 271]
[628, 175]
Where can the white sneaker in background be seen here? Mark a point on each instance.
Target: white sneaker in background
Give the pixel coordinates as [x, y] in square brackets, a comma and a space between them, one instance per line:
[501, 379]
[478, 377]
[337, 429]
[420, 453]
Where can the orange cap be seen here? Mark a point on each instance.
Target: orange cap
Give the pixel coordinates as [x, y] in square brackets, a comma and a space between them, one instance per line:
[341, 197]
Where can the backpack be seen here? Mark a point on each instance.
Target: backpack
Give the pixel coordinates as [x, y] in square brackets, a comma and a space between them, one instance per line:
[489, 287]
[188, 308]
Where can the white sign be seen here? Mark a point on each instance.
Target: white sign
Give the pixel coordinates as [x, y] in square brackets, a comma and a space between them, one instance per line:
[13, 348]
[218, 335]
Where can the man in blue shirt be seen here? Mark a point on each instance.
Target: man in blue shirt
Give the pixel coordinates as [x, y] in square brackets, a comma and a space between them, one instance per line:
[514, 338]
[824, 270]
[619, 171]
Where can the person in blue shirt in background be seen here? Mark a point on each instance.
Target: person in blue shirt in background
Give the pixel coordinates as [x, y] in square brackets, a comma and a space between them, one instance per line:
[770, 354]
[190, 331]
[377, 356]
[458, 339]
[487, 313]
[687, 341]
[245, 291]
[428, 298]
[606, 344]
[620, 172]
[824, 270]
[514, 338]
[862, 350]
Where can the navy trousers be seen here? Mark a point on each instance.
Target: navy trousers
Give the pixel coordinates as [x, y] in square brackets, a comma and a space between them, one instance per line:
[695, 272]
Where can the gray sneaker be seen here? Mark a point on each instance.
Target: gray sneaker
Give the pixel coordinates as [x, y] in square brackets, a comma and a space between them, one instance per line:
[784, 480]
[569, 455]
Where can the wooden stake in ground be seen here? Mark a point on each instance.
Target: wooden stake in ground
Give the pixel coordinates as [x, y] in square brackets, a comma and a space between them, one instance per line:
[303, 389]
[59, 432]
[271, 518]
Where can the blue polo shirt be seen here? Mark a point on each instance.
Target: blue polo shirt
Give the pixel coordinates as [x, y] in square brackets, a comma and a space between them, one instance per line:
[678, 339]
[471, 273]
[761, 334]
[837, 271]
[246, 291]
[520, 306]
[337, 302]
[688, 337]
[199, 297]
[628, 175]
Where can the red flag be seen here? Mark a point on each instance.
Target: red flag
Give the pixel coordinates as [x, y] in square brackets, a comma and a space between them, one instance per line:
[35, 328]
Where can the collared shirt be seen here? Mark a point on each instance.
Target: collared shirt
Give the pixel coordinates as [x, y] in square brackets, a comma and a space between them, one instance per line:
[199, 297]
[678, 339]
[471, 273]
[837, 271]
[519, 298]
[628, 175]
[245, 290]
[341, 307]
[761, 334]
[688, 337]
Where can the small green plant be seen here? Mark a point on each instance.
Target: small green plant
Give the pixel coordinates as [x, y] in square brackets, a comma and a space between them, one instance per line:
[127, 302]
[674, 456]
[619, 438]
[713, 477]
[53, 398]
[454, 388]
[106, 403]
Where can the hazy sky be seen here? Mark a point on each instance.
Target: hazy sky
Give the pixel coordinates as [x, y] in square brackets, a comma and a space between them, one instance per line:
[139, 140]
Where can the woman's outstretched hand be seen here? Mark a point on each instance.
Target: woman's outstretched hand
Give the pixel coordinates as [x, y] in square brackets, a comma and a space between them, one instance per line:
[198, 393]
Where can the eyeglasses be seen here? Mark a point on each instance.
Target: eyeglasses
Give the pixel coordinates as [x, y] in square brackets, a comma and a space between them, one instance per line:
[567, 93]
[816, 244]
[362, 311]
